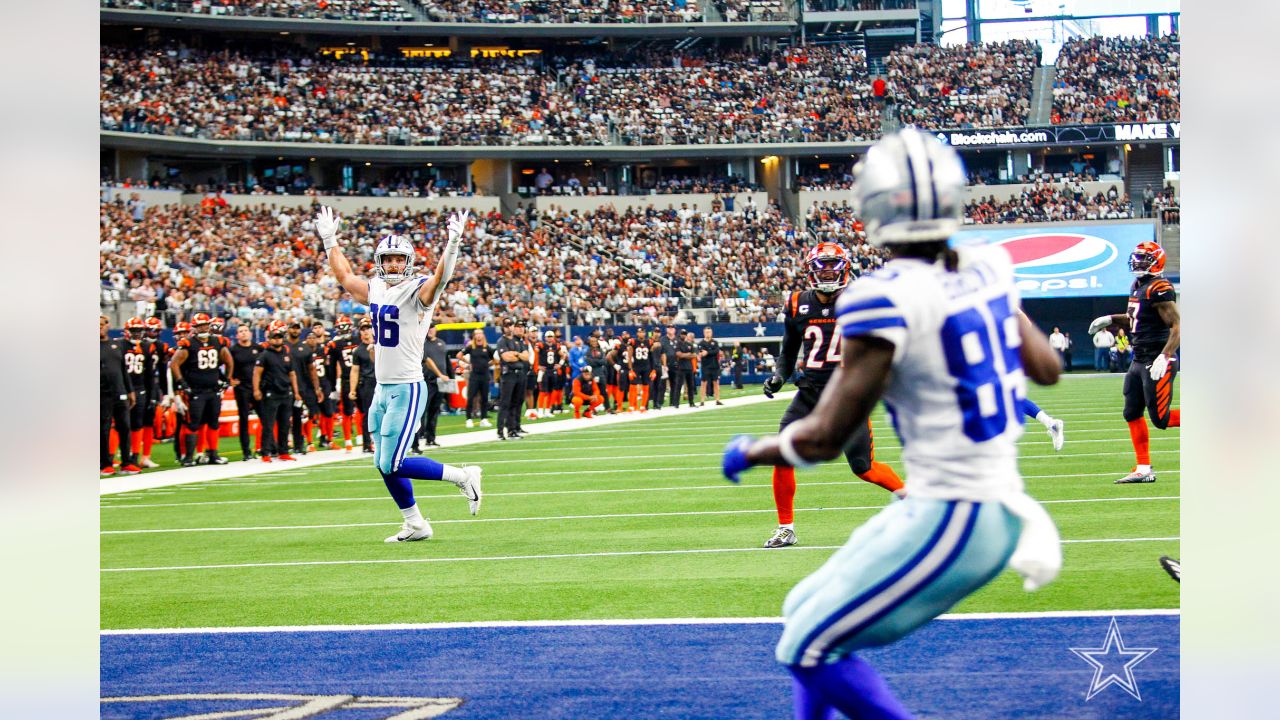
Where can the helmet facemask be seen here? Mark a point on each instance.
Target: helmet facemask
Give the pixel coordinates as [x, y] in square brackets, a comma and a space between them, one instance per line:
[829, 273]
[394, 245]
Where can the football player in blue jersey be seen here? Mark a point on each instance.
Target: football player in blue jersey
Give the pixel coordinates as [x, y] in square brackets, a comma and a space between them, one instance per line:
[938, 335]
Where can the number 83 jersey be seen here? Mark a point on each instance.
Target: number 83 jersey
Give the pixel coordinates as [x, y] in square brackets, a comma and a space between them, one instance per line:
[957, 386]
[400, 323]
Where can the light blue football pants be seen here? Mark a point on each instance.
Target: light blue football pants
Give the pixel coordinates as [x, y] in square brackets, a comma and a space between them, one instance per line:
[910, 563]
[394, 416]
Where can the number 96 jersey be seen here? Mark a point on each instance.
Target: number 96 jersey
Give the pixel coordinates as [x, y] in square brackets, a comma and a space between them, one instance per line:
[400, 323]
[956, 390]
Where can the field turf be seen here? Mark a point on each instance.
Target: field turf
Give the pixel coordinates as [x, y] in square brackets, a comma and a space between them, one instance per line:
[625, 521]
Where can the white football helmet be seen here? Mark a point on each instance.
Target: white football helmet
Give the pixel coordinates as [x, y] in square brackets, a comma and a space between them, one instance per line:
[394, 245]
[910, 188]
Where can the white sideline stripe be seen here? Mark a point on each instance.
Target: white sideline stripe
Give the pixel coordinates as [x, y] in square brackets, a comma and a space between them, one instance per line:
[606, 516]
[561, 446]
[557, 556]
[1028, 615]
[721, 486]
[1112, 426]
[206, 473]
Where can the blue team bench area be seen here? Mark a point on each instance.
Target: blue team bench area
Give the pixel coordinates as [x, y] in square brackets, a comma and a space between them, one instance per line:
[973, 668]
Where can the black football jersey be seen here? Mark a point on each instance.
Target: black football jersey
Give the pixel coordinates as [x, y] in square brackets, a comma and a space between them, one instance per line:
[640, 359]
[139, 364]
[1147, 330]
[342, 357]
[203, 362]
[813, 324]
[322, 372]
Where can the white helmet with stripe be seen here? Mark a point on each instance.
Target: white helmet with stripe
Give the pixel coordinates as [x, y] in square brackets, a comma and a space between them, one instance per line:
[394, 245]
[910, 188]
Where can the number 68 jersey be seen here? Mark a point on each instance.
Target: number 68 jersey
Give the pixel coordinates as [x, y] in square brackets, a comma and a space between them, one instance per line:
[400, 323]
[957, 386]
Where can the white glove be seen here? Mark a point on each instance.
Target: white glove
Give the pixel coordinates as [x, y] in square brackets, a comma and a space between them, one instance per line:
[458, 225]
[1098, 324]
[327, 223]
[1159, 366]
[333, 395]
[166, 401]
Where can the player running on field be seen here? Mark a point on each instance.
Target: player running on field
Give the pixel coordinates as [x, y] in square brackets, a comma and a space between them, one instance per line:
[401, 306]
[1155, 326]
[937, 333]
[810, 326]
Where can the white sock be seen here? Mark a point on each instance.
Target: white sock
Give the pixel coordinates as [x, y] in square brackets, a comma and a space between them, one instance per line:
[1043, 418]
[412, 514]
[453, 474]
[1143, 468]
[789, 526]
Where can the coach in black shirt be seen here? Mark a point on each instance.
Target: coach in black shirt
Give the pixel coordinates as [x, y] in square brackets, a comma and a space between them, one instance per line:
[275, 386]
[669, 341]
[709, 354]
[117, 399]
[516, 359]
[478, 355]
[686, 351]
[435, 367]
[245, 354]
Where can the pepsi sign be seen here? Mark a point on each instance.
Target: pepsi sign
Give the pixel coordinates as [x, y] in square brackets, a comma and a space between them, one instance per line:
[1059, 260]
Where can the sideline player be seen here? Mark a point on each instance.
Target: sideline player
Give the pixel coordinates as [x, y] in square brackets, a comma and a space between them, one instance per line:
[810, 325]
[339, 351]
[936, 332]
[1155, 325]
[401, 306]
[198, 366]
[139, 358]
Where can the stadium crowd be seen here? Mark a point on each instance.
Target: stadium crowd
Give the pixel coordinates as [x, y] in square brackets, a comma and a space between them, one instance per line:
[634, 266]
[816, 93]
[1050, 202]
[477, 11]
[383, 10]
[986, 85]
[1106, 79]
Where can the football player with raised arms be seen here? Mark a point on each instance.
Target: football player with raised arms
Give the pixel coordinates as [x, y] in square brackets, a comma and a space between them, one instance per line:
[936, 332]
[400, 306]
[1155, 325]
[810, 337]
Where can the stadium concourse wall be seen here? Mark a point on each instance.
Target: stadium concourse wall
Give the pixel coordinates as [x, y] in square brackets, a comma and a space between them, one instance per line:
[696, 201]
[341, 203]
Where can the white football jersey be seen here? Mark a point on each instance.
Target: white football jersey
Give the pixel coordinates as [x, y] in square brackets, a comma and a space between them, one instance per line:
[957, 386]
[400, 323]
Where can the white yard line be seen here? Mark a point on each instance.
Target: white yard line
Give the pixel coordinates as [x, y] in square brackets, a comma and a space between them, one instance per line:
[560, 518]
[677, 488]
[1031, 615]
[557, 556]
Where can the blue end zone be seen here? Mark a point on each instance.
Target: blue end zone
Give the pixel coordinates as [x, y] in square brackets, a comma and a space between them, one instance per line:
[1003, 668]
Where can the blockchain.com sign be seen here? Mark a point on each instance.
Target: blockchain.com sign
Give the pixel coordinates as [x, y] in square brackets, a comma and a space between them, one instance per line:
[1061, 261]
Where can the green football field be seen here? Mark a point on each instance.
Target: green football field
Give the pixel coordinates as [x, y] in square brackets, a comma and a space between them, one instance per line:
[624, 521]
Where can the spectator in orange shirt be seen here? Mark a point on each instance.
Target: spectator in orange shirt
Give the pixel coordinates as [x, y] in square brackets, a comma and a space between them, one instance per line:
[586, 391]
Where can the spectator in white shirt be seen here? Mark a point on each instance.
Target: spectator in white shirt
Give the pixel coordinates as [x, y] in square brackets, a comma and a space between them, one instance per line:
[1103, 341]
[1058, 342]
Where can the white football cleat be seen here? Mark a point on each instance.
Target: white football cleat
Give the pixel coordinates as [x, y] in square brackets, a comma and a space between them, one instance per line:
[486, 423]
[471, 487]
[1058, 434]
[149, 463]
[409, 532]
[470, 423]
